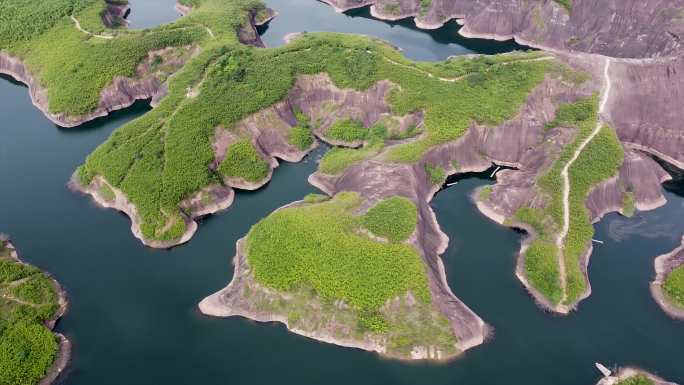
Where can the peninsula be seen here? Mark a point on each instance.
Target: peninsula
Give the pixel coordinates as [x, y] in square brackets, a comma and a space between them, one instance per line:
[31, 304]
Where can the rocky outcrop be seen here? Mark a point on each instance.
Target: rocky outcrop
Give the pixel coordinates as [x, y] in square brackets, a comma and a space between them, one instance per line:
[64, 345]
[664, 265]
[121, 93]
[114, 14]
[618, 28]
[626, 373]
[645, 108]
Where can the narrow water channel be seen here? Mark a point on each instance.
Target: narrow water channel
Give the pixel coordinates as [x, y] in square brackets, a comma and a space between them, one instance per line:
[133, 317]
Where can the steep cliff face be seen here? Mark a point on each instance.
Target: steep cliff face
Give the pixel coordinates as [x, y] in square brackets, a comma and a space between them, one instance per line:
[618, 28]
[646, 106]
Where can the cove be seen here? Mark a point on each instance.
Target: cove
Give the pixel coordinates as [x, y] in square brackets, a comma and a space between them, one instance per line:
[416, 44]
[133, 317]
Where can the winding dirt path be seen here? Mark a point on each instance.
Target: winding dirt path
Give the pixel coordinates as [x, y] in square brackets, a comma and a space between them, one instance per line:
[459, 78]
[566, 183]
[78, 26]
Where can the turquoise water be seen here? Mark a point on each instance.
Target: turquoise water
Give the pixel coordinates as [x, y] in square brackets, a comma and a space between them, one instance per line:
[133, 316]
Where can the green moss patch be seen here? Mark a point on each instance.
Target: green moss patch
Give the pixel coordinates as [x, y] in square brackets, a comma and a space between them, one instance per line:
[393, 218]
[244, 162]
[639, 379]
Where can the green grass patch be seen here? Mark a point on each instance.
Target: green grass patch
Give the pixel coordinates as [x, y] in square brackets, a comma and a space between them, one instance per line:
[567, 4]
[393, 218]
[485, 192]
[107, 193]
[628, 204]
[673, 287]
[347, 130]
[436, 174]
[243, 161]
[639, 379]
[541, 269]
[315, 198]
[318, 245]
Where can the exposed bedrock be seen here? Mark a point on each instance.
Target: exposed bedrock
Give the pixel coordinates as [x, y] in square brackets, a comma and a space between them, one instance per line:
[114, 14]
[121, 93]
[646, 107]
[618, 28]
[664, 265]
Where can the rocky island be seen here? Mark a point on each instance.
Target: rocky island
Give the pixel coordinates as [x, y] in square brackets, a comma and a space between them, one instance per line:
[632, 376]
[31, 302]
[577, 124]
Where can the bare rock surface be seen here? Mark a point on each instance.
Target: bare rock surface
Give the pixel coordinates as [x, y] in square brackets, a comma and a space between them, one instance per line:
[618, 28]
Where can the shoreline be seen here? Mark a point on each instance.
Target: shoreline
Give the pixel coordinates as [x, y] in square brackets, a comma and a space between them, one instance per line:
[15, 68]
[63, 355]
[628, 372]
[222, 304]
[663, 266]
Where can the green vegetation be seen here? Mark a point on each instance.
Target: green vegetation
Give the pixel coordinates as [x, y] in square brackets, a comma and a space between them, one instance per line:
[436, 174]
[639, 379]
[393, 218]
[27, 300]
[673, 287]
[300, 135]
[599, 160]
[628, 205]
[107, 193]
[163, 157]
[318, 245]
[316, 198]
[243, 161]
[485, 192]
[567, 4]
[311, 253]
[347, 130]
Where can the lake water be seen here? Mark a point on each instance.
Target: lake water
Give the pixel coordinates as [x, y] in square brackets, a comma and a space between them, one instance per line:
[133, 315]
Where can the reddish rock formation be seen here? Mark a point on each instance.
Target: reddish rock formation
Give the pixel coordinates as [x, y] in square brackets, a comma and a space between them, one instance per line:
[618, 28]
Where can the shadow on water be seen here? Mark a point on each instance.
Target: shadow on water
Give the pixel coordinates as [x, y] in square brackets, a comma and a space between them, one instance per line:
[417, 44]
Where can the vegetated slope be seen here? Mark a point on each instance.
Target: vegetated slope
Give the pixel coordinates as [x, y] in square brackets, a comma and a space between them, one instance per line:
[28, 301]
[313, 267]
[166, 157]
[598, 161]
[74, 66]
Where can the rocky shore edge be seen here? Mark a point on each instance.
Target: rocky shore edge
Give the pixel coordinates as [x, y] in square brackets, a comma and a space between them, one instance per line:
[664, 265]
[64, 345]
[628, 372]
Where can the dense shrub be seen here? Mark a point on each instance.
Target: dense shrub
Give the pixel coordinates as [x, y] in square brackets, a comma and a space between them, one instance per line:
[393, 218]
